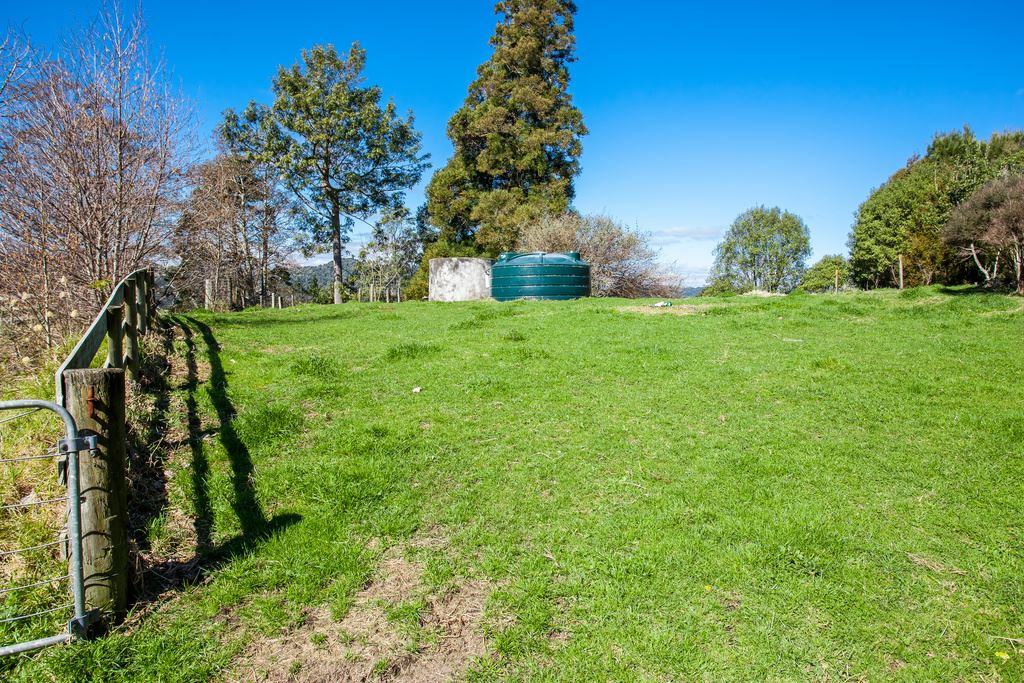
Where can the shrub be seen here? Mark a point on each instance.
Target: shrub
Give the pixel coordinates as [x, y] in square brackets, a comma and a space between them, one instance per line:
[822, 276]
[622, 261]
[719, 287]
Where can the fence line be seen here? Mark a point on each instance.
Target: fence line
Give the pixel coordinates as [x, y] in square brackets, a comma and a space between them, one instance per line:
[122, 320]
[92, 404]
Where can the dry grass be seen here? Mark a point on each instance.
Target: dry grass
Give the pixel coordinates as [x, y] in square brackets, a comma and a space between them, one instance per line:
[674, 309]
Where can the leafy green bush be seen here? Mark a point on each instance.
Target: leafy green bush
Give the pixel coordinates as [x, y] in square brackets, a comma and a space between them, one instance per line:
[720, 287]
[822, 276]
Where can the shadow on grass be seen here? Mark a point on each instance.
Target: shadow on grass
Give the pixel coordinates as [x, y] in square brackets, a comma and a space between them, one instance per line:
[973, 290]
[255, 526]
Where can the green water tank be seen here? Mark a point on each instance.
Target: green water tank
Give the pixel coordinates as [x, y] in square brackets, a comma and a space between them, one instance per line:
[540, 275]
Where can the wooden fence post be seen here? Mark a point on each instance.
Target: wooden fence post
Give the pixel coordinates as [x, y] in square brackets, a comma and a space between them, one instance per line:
[115, 337]
[96, 400]
[131, 330]
[142, 304]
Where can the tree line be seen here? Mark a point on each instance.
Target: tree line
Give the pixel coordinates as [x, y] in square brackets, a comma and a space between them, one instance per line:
[954, 216]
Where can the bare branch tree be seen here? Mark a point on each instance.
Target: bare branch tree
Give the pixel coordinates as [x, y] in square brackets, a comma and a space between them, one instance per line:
[95, 160]
[622, 262]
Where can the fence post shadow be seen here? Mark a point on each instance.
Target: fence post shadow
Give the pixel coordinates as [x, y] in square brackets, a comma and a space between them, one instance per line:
[255, 526]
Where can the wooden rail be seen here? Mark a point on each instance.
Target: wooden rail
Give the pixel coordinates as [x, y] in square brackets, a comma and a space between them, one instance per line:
[124, 318]
[95, 398]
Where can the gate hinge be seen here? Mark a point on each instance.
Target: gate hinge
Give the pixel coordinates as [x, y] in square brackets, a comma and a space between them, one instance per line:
[82, 443]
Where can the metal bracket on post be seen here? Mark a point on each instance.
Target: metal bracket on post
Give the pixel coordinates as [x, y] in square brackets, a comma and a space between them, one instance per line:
[79, 444]
[65, 446]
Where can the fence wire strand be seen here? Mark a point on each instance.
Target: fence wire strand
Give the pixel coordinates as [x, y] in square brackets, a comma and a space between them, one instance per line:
[21, 617]
[31, 503]
[5, 553]
[33, 585]
[19, 415]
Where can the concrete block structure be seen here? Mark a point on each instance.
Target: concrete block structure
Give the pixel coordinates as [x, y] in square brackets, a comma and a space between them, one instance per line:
[460, 279]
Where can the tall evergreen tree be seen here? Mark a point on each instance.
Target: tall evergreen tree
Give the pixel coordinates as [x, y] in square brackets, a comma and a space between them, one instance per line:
[343, 154]
[517, 137]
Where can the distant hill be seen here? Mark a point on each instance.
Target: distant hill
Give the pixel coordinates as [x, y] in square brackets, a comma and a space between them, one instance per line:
[690, 291]
[303, 276]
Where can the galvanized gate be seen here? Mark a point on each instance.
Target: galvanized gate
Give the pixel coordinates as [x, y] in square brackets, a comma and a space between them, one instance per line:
[66, 456]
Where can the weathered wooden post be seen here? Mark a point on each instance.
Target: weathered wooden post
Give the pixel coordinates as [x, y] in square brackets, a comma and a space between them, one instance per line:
[131, 330]
[115, 337]
[142, 303]
[96, 400]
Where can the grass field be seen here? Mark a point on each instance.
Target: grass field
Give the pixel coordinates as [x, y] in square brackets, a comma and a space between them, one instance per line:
[802, 488]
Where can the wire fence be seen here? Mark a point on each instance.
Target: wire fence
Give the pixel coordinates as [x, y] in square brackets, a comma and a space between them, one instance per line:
[32, 593]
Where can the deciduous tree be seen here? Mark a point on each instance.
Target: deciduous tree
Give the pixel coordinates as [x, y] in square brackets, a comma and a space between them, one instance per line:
[96, 152]
[764, 249]
[988, 229]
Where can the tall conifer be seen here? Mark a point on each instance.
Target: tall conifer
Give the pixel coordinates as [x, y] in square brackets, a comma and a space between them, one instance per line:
[517, 137]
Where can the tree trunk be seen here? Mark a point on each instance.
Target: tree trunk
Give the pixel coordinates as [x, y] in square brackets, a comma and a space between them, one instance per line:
[336, 247]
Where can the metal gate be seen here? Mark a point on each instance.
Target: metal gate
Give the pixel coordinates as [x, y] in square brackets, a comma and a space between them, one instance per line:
[66, 456]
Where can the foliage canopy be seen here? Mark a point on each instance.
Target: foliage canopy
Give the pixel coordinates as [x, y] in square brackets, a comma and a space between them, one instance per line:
[907, 215]
[764, 249]
[517, 136]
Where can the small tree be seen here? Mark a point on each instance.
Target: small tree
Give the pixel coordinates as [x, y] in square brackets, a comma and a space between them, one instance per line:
[389, 259]
[343, 155]
[764, 249]
[988, 228]
[830, 274]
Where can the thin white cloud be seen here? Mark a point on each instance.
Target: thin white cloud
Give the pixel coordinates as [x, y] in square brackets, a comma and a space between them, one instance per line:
[678, 234]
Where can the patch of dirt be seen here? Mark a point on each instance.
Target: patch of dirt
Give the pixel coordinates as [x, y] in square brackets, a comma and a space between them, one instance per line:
[676, 309]
[366, 645]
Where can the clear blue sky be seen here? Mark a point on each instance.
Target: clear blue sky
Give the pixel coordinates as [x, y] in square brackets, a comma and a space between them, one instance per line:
[696, 111]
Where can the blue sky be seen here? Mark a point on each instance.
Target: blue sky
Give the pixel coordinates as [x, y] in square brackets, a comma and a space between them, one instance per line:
[696, 111]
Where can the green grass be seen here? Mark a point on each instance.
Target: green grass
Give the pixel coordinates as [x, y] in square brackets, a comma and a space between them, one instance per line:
[810, 487]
